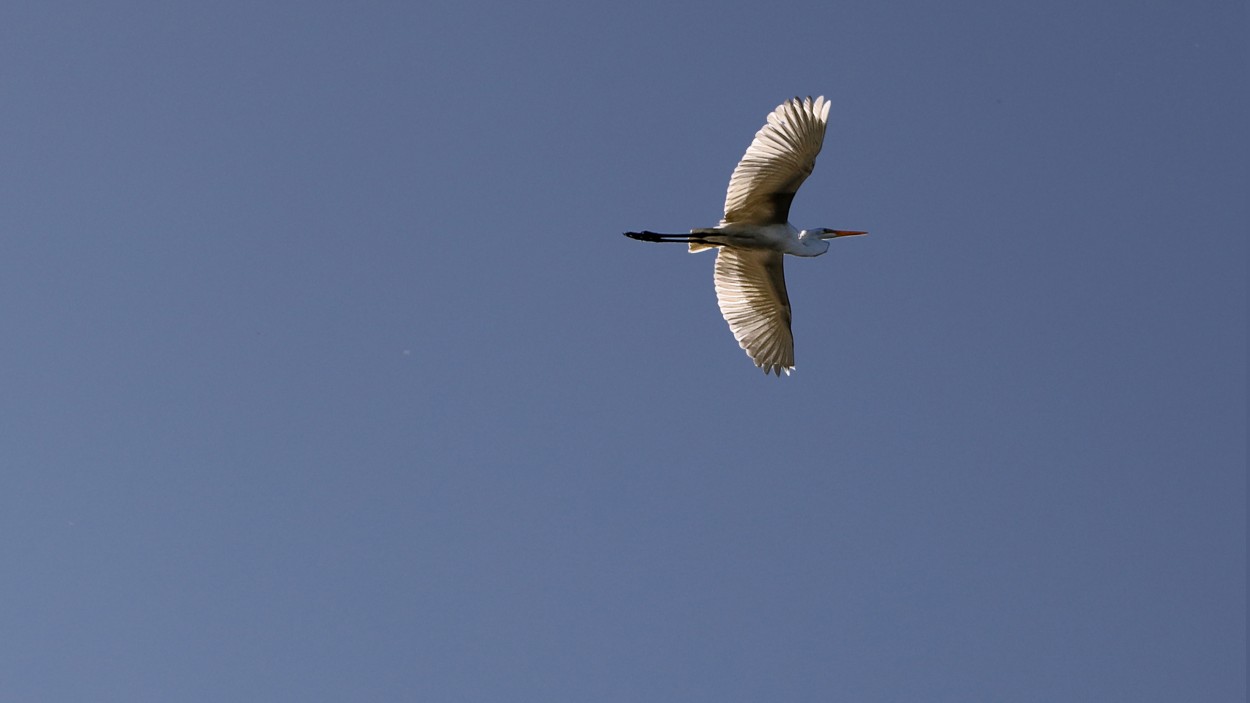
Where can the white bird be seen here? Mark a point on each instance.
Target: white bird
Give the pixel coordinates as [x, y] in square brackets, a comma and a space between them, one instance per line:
[755, 232]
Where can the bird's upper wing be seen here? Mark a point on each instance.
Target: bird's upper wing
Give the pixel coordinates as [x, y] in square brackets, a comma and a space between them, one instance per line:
[779, 159]
[751, 291]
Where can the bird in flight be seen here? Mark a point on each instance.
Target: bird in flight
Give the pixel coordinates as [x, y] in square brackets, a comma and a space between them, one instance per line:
[755, 232]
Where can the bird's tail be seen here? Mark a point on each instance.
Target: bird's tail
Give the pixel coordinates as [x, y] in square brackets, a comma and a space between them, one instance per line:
[696, 239]
[698, 246]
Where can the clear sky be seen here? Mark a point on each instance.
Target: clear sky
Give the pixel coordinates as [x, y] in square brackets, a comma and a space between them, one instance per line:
[328, 375]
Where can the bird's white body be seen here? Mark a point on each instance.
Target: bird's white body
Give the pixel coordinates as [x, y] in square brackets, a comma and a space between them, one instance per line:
[754, 234]
[776, 237]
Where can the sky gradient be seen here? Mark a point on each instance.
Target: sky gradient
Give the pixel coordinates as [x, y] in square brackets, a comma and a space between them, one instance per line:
[329, 375]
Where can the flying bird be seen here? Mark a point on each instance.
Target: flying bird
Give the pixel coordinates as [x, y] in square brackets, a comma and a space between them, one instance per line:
[755, 232]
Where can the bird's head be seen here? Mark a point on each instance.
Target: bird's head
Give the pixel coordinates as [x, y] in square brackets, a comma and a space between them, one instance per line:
[814, 241]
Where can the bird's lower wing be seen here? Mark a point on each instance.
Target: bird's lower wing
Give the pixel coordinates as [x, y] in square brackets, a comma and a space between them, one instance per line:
[751, 292]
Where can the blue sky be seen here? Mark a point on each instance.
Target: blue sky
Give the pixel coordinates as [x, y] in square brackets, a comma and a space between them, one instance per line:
[330, 377]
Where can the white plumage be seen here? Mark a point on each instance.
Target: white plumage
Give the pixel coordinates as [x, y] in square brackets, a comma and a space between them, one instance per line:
[755, 233]
[751, 292]
[780, 158]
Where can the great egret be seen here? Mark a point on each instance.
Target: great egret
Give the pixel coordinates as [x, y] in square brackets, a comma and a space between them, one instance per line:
[755, 232]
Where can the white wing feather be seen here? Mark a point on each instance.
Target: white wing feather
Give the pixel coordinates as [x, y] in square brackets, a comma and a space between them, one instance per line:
[751, 292]
[780, 158]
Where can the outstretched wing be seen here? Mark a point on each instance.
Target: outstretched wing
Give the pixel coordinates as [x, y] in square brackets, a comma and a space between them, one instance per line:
[780, 158]
[751, 292]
